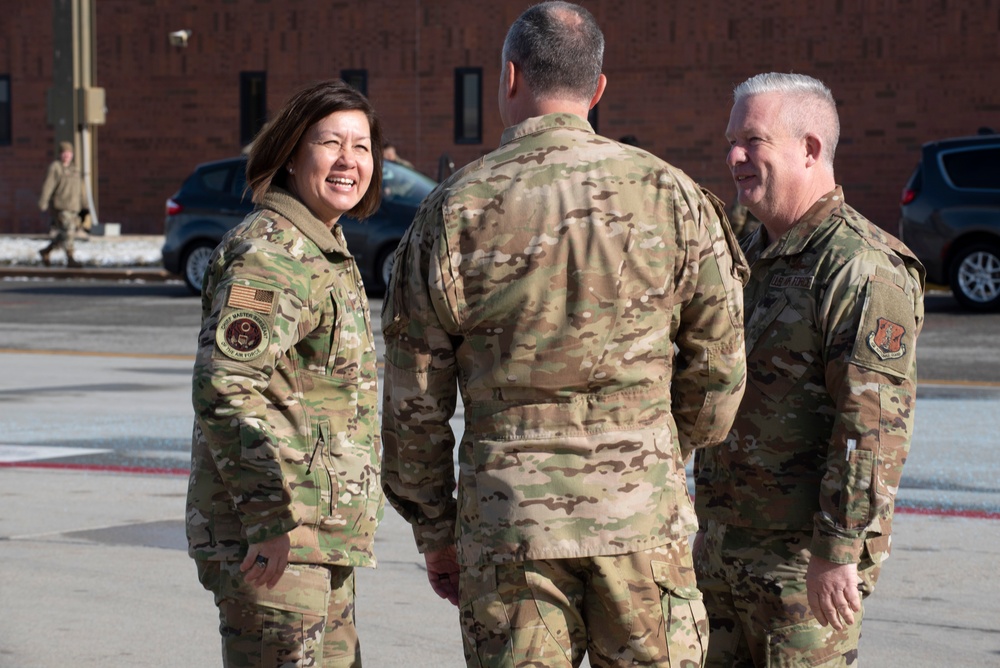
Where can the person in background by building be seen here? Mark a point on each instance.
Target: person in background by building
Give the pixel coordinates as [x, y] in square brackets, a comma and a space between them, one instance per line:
[743, 222]
[392, 155]
[285, 495]
[549, 282]
[796, 506]
[64, 198]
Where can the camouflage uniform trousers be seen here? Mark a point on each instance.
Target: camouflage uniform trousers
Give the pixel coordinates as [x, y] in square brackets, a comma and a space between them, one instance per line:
[306, 620]
[638, 609]
[754, 583]
[63, 228]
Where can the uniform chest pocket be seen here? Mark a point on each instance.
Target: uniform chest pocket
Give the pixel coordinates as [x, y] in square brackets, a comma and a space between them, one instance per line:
[780, 345]
[351, 338]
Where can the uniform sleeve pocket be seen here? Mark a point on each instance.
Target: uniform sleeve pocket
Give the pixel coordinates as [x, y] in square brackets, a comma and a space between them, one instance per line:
[856, 501]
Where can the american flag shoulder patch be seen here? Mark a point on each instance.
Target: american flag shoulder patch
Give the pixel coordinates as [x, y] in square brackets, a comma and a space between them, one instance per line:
[255, 299]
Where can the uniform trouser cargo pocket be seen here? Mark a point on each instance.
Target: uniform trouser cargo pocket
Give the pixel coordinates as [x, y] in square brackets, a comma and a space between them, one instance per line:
[685, 620]
[809, 644]
[307, 619]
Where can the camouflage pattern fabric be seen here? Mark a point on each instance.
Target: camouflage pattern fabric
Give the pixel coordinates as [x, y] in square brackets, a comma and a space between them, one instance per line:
[742, 221]
[834, 307]
[551, 280]
[306, 620]
[285, 398]
[833, 311]
[639, 609]
[62, 189]
[754, 585]
[63, 230]
[63, 196]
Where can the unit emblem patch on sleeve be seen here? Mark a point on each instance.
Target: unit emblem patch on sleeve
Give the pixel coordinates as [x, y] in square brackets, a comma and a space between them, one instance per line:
[887, 340]
[242, 335]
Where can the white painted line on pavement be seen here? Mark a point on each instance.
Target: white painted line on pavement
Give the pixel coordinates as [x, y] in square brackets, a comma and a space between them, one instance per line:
[28, 453]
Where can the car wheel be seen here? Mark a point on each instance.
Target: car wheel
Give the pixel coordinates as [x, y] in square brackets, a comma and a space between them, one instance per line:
[975, 277]
[194, 264]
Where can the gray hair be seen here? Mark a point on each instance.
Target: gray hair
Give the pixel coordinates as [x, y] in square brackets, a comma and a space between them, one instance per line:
[558, 48]
[811, 107]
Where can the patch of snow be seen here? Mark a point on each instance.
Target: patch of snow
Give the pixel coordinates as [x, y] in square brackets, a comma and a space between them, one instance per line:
[127, 251]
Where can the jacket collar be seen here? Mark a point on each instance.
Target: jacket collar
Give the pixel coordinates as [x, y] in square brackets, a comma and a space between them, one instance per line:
[288, 206]
[797, 238]
[538, 124]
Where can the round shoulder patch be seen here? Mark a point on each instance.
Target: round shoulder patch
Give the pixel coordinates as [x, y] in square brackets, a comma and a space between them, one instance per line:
[242, 335]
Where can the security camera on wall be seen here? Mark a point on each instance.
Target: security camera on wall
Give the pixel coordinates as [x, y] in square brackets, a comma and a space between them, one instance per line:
[179, 37]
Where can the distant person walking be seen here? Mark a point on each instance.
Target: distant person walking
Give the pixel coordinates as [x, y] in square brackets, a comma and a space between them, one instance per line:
[63, 196]
[391, 154]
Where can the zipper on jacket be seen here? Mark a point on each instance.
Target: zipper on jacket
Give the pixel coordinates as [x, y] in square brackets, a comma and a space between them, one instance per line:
[327, 461]
[320, 441]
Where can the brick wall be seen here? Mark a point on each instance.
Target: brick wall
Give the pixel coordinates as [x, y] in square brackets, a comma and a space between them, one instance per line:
[903, 72]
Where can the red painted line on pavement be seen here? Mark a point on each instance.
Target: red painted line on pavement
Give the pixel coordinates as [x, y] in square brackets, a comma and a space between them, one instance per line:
[950, 512]
[108, 468]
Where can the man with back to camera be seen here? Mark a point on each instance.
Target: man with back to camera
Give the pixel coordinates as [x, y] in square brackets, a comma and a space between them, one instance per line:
[550, 282]
[795, 508]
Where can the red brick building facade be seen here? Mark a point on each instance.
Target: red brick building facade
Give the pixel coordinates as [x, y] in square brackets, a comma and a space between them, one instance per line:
[903, 71]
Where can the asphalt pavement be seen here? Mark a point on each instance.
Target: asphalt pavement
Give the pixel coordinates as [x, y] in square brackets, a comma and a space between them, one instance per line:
[94, 570]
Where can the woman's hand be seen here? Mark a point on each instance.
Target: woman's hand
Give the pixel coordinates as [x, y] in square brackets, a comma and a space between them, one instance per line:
[265, 562]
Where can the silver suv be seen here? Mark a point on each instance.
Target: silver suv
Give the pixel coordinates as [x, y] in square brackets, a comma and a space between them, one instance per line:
[951, 217]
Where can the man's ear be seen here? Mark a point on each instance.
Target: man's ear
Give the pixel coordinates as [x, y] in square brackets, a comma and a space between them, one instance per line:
[510, 85]
[814, 149]
[602, 82]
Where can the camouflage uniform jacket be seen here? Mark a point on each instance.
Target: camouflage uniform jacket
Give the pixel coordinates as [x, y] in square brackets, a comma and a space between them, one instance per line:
[285, 395]
[550, 282]
[833, 310]
[62, 189]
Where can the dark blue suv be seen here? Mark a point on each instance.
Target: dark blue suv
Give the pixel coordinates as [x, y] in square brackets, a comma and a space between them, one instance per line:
[214, 199]
[951, 217]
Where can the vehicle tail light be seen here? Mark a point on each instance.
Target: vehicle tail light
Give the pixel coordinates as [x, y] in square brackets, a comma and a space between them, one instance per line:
[909, 194]
[173, 208]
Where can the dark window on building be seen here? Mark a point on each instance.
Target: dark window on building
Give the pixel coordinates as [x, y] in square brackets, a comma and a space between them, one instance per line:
[253, 104]
[976, 169]
[468, 105]
[5, 131]
[592, 118]
[357, 79]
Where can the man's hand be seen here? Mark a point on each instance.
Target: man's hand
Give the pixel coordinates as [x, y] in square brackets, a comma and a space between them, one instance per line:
[833, 592]
[442, 571]
[265, 562]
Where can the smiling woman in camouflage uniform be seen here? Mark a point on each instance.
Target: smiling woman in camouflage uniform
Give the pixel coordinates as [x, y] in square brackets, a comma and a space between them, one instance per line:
[285, 492]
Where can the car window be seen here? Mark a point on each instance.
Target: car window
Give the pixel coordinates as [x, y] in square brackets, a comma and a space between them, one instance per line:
[215, 178]
[977, 169]
[404, 186]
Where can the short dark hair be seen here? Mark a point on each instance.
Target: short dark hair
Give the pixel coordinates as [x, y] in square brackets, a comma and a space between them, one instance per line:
[559, 49]
[279, 138]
